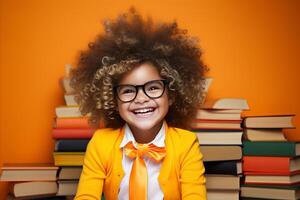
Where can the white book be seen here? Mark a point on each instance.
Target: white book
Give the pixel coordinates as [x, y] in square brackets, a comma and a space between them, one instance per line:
[70, 100]
[68, 112]
[222, 194]
[67, 188]
[227, 103]
[221, 138]
[213, 114]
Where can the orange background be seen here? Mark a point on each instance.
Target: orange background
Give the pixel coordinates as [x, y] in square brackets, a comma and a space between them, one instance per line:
[252, 48]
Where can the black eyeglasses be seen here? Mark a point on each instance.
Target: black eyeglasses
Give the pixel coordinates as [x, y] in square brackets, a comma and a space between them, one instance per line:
[153, 89]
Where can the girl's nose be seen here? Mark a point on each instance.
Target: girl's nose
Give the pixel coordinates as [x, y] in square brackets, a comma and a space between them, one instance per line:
[141, 97]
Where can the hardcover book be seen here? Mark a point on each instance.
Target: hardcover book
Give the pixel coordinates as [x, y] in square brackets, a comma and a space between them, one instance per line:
[65, 82]
[293, 179]
[289, 149]
[68, 112]
[206, 84]
[69, 145]
[72, 133]
[227, 103]
[221, 153]
[73, 123]
[270, 121]
[32, 189]
[222, 182]
[70, 100]
[199, 124]
[68, 158]
[223, 194]
[270, 165]
[69, 173]
[232, 167]
[221, 138]
[67, 188]
[28, 172]
[273, 134]
[271, 193]
[217, 115]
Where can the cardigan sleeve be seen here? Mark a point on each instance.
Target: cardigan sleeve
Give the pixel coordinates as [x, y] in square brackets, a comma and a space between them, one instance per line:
[192, 172]
[93, 173]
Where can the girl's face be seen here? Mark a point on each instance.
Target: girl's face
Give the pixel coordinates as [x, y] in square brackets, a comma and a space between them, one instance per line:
[143, 114]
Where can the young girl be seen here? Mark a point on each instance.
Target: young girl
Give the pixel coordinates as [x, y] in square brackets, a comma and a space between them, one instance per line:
[144, 81]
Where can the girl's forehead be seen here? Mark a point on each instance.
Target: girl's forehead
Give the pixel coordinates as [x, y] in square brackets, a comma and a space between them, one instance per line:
[140, 74]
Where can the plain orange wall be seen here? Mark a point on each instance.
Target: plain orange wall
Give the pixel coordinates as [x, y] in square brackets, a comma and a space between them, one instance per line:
[252, 48]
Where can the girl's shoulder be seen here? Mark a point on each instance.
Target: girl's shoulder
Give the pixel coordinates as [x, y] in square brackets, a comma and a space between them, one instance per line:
[182, 136]
[181, 142]
[182, 133]
[106, 136]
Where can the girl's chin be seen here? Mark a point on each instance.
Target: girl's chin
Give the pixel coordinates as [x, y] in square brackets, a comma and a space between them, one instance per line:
[145, 127]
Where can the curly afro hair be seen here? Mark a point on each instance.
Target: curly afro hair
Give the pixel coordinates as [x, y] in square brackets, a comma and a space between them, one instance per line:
[129, 41]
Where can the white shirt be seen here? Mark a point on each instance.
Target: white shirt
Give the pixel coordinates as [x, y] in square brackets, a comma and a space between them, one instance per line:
[154, 190]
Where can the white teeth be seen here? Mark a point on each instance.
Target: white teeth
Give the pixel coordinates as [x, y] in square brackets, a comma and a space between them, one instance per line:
[144, 110]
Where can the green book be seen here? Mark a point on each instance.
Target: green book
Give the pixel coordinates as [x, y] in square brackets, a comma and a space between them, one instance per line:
[290, 149]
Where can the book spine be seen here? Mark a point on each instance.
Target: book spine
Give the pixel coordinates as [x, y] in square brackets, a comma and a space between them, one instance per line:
[269, 149]
[266, 164]
[72, 123]
[221, 167]
[71, 159]
[72, 133]
[71, 145]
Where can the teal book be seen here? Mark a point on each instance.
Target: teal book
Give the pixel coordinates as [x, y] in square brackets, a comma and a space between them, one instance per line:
[290, 149]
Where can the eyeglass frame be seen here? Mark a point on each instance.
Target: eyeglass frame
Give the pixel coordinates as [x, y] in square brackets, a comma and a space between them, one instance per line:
[165, 82]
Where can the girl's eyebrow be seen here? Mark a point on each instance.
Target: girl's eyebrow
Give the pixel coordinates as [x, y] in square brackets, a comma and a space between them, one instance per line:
[141, 84]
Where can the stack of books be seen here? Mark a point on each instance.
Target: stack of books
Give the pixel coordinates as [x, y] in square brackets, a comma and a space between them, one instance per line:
[68, 178]
[218, 128]
[30, 181]
[71, 132]
[271, 164]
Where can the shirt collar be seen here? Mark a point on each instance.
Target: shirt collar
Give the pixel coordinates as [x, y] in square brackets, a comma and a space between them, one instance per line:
[158, 141]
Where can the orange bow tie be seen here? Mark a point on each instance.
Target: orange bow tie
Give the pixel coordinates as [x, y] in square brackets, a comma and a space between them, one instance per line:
[138, 176]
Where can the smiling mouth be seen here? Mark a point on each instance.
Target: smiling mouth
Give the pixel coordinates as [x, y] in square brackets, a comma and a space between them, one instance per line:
[143, 111]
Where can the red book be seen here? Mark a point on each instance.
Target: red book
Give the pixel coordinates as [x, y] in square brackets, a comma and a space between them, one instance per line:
[60, 133]
[266, 165]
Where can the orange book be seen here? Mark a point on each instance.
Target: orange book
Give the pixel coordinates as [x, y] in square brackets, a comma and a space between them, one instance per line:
[264, 165]
[80, 122]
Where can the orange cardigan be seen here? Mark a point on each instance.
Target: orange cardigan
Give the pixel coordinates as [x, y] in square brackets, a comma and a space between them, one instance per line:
[181, 175]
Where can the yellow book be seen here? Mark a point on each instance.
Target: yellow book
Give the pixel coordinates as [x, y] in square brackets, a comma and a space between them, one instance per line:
[68, 158]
